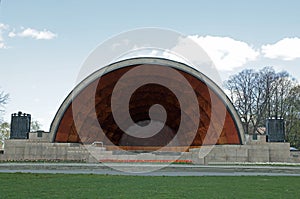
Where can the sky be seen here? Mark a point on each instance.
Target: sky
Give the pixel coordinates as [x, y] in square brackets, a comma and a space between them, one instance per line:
[43, 44]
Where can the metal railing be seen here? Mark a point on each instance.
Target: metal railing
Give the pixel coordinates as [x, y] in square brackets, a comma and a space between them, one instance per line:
[96, 144]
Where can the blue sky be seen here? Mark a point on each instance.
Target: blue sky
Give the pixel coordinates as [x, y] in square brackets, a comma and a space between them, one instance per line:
[44, 43]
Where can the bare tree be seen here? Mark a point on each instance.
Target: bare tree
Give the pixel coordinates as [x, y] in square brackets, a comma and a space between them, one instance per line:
[267, 77]
[4, 132]
[35, 125]
[284, 86]
[258, 95]
[245, 94]
[3, 100]
[292, 117]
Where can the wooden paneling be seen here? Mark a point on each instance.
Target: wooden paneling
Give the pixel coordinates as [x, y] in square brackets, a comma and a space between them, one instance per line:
[91, 108]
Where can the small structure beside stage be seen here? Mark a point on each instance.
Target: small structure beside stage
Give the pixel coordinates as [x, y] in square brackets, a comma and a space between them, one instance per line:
[20, 125]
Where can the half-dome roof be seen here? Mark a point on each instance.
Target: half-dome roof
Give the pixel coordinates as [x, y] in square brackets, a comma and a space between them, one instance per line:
[86, 115]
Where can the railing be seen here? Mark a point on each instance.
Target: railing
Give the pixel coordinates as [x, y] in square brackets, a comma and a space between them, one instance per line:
[97, 143]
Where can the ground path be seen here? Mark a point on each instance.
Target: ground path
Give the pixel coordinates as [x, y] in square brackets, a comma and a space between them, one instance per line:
[156, 169]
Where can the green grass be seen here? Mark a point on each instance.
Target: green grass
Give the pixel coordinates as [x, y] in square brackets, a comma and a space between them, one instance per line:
[24, 185]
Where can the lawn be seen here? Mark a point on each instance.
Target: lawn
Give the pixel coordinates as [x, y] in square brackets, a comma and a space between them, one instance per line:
[24, 185]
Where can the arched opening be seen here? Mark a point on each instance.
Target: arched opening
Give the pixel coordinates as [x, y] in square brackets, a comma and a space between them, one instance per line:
[93, 119]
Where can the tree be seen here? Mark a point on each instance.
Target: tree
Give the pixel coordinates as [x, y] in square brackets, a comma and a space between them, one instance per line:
[293, 117]
[3, 100]
[4, 131]
[35, 125]
[258, 95]
[241, 88]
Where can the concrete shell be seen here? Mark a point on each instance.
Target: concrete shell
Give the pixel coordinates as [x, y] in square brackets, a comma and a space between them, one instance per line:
[92, 101]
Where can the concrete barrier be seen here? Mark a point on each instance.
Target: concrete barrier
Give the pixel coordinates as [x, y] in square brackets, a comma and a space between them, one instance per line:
[30, 150]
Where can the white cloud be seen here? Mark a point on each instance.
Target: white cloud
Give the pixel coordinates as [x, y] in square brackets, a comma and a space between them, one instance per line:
[5, 30]
[12, 34]
[225, 52]
[2, 45]
[3, 27]
[35, 34]
[286, 49]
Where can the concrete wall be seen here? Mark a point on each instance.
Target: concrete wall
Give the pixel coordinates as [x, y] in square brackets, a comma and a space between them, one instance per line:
[261, 139]
[35, 149]
[31, 150]
[295, 156]
[268, 152]
[16, 150]
[45, 136]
